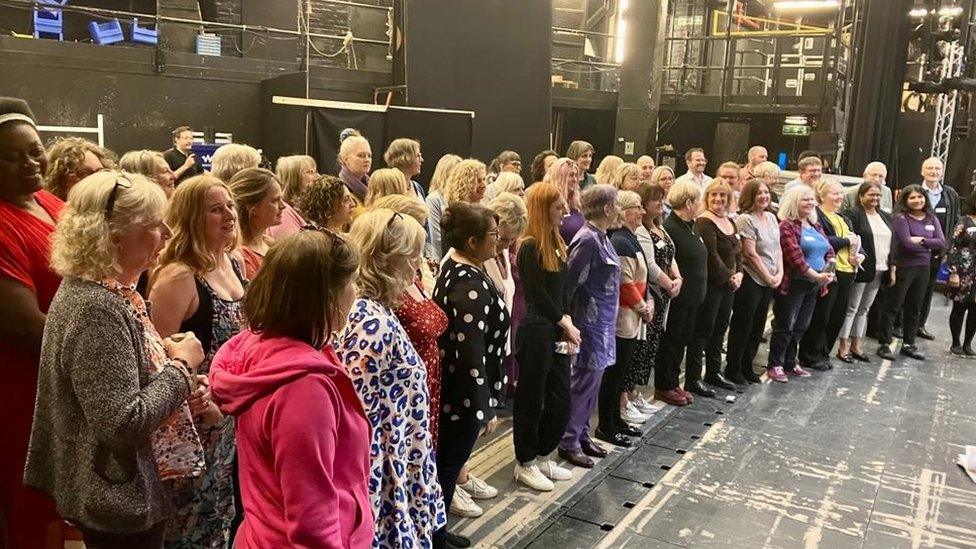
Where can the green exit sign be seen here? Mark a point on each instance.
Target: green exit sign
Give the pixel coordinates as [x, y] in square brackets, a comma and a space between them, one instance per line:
[796, 130]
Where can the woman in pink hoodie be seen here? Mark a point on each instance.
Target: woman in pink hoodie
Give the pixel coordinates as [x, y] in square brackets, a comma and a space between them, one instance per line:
[294, 403]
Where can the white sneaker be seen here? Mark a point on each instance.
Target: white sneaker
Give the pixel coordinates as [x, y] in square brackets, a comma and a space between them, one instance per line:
[553, 471]
[645, 406]
[532, 477]
[630, 414]
[477, 488]
[463, 506]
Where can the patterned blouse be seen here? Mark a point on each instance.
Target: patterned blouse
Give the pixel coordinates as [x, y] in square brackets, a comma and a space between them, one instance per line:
[474, 345]
[392, 383]
[424, 322]
[175, 443]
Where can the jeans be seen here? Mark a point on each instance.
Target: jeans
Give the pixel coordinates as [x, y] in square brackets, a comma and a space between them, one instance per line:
[749, 310]
[792, 312]
[906, 297]
[711, 321]
[677, 335]
[541, 407]
[455, 441]
[858, 304]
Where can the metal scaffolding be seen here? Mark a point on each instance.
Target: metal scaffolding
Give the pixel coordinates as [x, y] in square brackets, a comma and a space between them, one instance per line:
[945, 109]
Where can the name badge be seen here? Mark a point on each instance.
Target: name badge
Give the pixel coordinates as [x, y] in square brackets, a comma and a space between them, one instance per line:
[660, 243]
[809, 239]
[930, 227]
[940, 210]
[971, 230]
[738, 236]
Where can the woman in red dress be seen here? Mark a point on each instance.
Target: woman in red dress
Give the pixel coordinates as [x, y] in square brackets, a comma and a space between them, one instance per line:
[27, 285]
[424, 322]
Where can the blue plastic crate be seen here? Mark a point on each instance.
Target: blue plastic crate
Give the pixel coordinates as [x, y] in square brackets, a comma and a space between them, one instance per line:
[109, 32]
[208, 44]
[144, 35]
[49, 22]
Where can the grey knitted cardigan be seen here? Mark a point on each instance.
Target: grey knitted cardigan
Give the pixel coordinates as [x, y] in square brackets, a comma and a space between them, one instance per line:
[95, 411]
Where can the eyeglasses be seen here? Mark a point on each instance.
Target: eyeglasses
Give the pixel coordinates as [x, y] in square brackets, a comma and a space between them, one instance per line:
[396, 215]
[120, 182]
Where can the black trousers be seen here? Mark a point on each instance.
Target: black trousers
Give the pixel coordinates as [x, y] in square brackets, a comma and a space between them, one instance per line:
[828, 316]
[749, 310]
[542, 404]
[791, 317]
[711, 321]
[907, 297]
[677, 335]
[608, 404]
[150, 539]
[455, 441]
[934, 267]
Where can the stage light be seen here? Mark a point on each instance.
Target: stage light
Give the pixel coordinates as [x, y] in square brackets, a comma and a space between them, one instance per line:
[804, 5]
[918, 13]
[950, 11]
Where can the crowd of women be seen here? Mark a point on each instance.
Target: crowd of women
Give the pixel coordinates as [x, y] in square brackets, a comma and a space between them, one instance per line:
[293, 359]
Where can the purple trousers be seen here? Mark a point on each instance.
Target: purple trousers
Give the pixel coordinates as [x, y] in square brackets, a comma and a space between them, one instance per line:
[585, 388]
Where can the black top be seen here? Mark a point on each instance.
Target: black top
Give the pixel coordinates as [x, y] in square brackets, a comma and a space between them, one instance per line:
[544, 290]
[201, 322]
[692, 259]
[723, 251]
[175, 159]
[473, 346]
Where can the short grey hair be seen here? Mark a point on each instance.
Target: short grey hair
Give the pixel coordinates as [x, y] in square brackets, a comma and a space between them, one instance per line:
[231, 158]
[766, 169]
[595, 198]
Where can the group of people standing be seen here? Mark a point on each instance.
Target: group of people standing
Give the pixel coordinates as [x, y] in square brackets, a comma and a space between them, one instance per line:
[285, 358]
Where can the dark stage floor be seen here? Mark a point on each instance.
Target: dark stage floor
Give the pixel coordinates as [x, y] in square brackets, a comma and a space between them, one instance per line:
[859, 457]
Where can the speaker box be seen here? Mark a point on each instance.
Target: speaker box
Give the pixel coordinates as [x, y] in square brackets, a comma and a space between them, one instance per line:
[731, 143]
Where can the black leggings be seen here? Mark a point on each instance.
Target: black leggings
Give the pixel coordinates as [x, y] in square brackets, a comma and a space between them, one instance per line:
[960, 310]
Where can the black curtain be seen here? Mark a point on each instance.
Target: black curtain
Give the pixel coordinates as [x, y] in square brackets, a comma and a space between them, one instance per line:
[328, 123]
[439, 133]
[872, 128]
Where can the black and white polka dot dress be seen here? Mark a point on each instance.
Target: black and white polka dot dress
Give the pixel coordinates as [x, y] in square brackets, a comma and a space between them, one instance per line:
[473, 346]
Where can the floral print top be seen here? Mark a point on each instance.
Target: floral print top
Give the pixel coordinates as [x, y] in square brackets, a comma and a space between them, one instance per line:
[175, 443]
[391, 380]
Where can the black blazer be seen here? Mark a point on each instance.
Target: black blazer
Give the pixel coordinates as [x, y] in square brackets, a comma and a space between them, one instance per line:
[860, 225]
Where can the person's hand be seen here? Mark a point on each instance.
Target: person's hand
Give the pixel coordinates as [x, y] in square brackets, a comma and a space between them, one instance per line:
[676, 287]
[958, 230]
[893, 272]
[650, 311]
[736, 281]
[953, 280]
[570, 333]
[191, 159]
[185, 346]
[917, 239]
[199, 400]
[211, 414]
[491, 426]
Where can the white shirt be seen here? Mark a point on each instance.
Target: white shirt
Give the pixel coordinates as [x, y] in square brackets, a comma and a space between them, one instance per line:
[882, 241]
[702, 180]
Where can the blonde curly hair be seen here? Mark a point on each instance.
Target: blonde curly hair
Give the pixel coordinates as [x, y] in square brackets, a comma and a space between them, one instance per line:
[464, 180]
[82, 242]
[387, 242]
